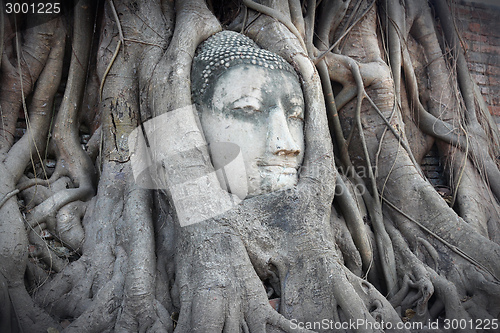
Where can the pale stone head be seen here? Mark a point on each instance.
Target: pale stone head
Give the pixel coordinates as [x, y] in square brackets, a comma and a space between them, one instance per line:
[252, 98]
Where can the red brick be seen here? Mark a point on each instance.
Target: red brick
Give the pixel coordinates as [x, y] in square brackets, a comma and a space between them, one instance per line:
[490, 29]
[478, 68]
[483, 58]
[492, 59]
[494, 99]
[480, 79]
[476, 46]
[477, 11]
[474, 11]
[479, 28]
[492, 70]
[492, 40]
[475, 27]
[494, 82]
[461, 11]
[485, 48]
[495, 110]
[469, 36]
[475, 57]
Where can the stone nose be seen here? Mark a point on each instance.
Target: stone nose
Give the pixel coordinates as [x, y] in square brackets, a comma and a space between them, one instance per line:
[280, 140]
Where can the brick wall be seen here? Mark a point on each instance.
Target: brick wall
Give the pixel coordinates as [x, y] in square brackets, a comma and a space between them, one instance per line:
[478, 22]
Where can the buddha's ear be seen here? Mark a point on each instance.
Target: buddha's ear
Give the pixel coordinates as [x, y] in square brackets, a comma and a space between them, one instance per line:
[318, 172]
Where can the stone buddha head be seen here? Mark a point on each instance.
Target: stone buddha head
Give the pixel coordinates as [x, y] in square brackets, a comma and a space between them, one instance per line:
[252, 98]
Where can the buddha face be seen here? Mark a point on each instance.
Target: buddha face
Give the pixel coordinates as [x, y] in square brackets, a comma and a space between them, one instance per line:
[262, 111]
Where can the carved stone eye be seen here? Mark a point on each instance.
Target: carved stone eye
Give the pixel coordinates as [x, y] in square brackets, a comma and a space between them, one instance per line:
[249, 109]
